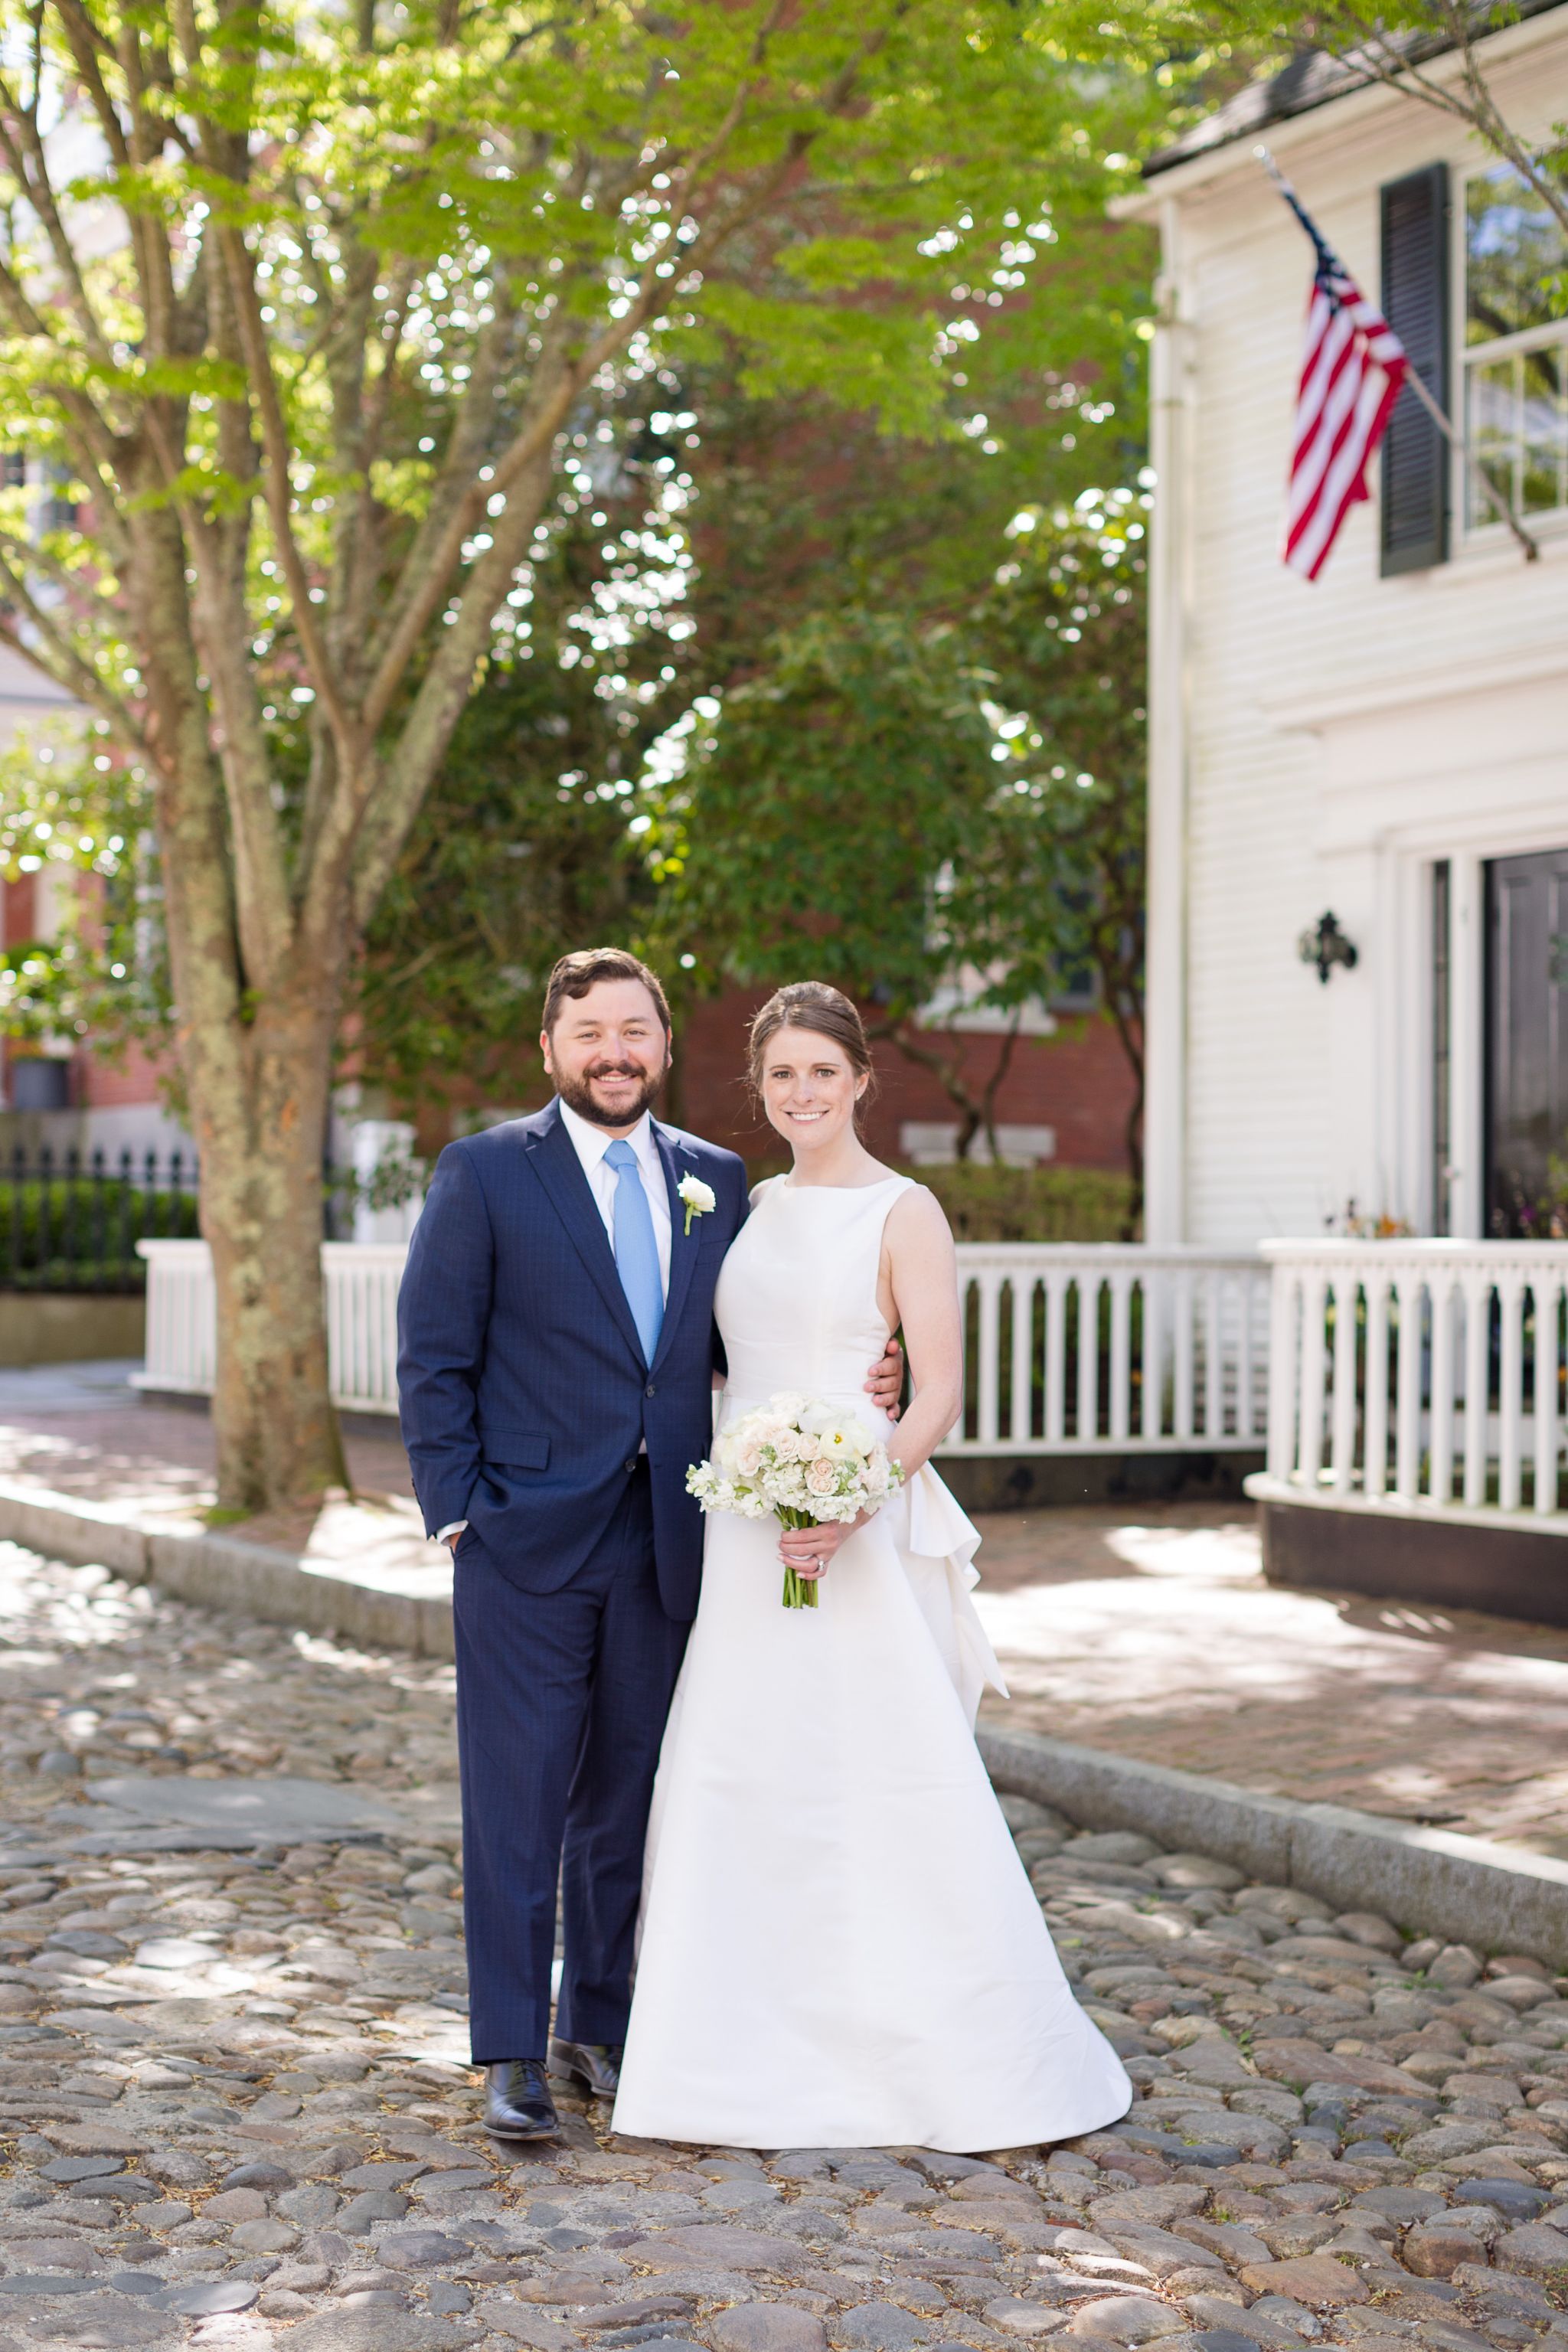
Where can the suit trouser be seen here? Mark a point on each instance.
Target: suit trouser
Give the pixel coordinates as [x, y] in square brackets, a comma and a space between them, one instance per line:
[562, 1701]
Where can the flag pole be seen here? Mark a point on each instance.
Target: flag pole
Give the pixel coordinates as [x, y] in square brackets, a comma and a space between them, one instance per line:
[1500, 503]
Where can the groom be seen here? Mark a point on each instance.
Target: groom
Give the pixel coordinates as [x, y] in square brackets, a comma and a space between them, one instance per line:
[556, 1365]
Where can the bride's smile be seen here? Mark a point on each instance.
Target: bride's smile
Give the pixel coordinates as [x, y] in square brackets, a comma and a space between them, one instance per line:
[809, 1093]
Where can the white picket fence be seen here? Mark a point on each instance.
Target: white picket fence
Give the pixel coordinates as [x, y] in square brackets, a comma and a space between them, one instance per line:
[1417, 1373]
[1071, 1350]
[362, 1279]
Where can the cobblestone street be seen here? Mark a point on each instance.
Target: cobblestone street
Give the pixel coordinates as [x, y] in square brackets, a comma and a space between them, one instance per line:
[236, 2110]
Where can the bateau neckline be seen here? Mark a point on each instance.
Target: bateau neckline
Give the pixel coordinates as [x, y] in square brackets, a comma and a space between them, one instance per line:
[788, 1185]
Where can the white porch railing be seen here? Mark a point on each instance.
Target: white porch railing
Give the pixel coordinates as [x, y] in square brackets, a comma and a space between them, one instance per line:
[1070, 1350]
[1111, 1347]
[1416, 1372]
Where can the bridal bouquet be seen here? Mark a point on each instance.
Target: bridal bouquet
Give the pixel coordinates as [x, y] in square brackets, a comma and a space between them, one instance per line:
[801, 1461]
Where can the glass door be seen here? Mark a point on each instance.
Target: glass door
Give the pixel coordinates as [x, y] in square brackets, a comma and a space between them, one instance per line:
[1527, 1044]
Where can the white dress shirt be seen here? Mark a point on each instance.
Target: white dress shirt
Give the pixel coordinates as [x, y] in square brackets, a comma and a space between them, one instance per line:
[590, 1143]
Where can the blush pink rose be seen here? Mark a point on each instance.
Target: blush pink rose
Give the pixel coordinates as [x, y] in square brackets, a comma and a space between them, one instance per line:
[822, 1478]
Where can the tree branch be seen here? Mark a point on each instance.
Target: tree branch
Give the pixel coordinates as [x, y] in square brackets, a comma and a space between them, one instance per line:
[351, 735]
[63, 664]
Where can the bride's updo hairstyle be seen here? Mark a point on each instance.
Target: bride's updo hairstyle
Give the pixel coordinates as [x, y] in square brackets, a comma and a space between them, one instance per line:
[827, 1013]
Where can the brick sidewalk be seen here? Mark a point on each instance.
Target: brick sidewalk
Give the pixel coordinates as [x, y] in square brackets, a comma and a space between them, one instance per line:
[1157, 1637]
[1149, 1632]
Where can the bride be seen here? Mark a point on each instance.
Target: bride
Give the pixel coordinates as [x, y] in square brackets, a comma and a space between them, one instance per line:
[839, 1947]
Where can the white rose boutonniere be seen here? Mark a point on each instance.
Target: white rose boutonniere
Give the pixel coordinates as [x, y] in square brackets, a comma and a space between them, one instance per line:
[699, 1198]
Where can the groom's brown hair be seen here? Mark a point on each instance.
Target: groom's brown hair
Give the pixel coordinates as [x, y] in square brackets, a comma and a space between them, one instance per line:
[576, 973]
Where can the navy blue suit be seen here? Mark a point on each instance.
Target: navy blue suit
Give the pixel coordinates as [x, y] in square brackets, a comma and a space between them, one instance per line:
[526, 1400]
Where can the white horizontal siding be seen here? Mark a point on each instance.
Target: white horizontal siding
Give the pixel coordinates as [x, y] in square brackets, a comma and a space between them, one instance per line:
[1281, 1115]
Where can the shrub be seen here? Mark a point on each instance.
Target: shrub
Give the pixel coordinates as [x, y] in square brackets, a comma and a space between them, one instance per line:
[1033, 1205]
[80, 1233]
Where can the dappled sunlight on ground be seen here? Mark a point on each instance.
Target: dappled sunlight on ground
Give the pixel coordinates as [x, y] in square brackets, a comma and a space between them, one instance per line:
[1157, 1637]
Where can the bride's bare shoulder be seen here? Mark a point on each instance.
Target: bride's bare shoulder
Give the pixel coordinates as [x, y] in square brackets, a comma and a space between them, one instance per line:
[918, 1220]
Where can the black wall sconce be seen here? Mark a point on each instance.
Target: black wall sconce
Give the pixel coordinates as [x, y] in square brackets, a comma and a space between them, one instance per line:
[1326, 945]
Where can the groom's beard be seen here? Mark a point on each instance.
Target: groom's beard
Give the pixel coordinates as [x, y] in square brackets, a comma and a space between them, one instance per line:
[578, 1094]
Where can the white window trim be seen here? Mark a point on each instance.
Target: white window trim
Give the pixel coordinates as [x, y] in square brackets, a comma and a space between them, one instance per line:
[1489, 533]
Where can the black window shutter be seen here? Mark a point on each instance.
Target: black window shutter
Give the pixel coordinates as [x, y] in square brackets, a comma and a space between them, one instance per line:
[1416, 303]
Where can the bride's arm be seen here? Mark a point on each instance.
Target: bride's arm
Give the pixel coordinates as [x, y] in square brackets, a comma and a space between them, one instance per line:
[923, 1269]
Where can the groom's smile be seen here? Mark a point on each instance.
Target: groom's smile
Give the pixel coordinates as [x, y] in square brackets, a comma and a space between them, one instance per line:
[607, 1052]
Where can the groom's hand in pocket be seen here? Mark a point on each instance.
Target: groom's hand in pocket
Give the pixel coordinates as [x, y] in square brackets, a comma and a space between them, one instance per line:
[885, 1382]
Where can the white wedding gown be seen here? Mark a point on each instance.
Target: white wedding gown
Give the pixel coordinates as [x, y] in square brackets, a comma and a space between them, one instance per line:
[839, 1947]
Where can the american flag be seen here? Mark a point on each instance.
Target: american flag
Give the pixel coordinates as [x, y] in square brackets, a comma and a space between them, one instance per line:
[1352, 369]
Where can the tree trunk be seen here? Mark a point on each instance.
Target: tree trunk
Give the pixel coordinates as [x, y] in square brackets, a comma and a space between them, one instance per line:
[261, 1144]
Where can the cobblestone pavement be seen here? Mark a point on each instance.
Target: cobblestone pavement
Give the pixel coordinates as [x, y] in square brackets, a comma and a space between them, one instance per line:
[1144, 1629]
[236, 2111]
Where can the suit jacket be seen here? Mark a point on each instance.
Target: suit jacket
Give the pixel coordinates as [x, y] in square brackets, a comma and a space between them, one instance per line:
[524, 1394]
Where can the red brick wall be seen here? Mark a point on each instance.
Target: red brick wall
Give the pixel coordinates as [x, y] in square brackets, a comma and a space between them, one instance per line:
[1077, 1082]
[104, 1086]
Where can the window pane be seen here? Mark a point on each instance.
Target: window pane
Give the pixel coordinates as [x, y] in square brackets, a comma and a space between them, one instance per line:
[1493, 432]
[1512, 243]
[1541, 484]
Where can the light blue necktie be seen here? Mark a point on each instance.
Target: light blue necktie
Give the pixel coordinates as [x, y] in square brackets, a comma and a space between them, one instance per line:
[636, 1251]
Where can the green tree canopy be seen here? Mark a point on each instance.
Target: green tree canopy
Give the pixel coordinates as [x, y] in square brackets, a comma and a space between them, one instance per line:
[303, 314]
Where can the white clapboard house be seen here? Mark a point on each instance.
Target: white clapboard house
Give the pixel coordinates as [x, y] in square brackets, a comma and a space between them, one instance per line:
[1386, 747]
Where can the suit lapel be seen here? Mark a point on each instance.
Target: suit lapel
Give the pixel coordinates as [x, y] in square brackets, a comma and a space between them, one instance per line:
[682, 1244]
[555, 1162]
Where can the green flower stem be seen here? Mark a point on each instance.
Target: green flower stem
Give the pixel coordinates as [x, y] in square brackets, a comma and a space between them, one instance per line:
[799, 1591]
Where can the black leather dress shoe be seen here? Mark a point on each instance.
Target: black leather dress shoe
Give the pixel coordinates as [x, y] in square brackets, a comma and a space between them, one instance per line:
[595, 2064]
[518, 2104]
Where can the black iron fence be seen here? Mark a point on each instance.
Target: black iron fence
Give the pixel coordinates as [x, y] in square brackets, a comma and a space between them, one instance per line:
[72, 1223]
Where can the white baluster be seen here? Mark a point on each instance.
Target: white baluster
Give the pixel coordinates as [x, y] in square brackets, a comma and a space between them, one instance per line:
[1441, 1408]
[1478, 1381]
[1021, 1420]
[1375, 1410]
[1056, 1356]
[1151, 1353]
[1341, 1449]
[1120, 1353]
[1313, 1353]
[1182, 1309]
[1213, 1360]
[1284, 1369]
[990, 1345]
[1546, 1289]
[1088, 1356]
[1409, 1289]
[1510, 1388]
